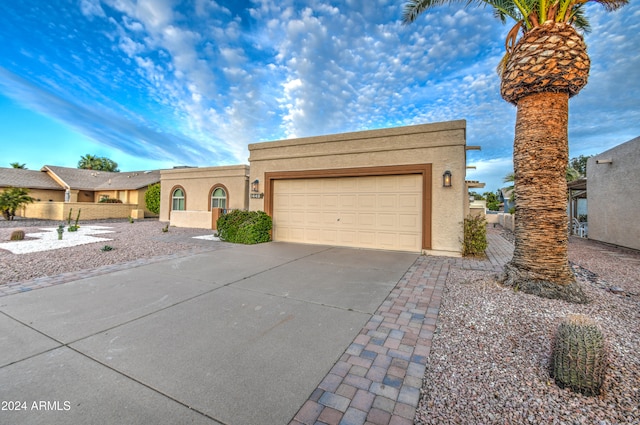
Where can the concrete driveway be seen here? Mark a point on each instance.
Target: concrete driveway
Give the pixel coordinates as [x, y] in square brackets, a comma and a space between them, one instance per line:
[241, 335]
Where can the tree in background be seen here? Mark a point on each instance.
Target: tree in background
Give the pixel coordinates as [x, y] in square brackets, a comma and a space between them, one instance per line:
[88, 162]
[572, 174]
[579, 164]
[18, 165]
[98, 163]
[152, 198]
[11, 199]
[493, 203]
[546, 63]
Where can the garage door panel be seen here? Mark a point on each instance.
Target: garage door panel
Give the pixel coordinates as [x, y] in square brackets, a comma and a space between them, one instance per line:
[406, 201]
[313, 218]
[367, 219]
[367, 202]
[347, 238]
[348, 202]
[387, 202]
[367, 185]
[349, 219]
[408, 184]
[383, 212]
[297, 201]
[409, 222]
[297, 218]
[387, 221]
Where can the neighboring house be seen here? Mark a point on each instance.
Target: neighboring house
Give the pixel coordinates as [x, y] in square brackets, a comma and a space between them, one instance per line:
[400, 189]
[614, 199]
[59, 189]
[41, 186]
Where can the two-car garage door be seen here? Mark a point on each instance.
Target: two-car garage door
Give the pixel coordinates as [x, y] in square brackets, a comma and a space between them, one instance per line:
[381, 212]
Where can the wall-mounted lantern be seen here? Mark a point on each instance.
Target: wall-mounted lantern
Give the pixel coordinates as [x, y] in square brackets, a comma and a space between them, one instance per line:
[255, 186]
[446, 179]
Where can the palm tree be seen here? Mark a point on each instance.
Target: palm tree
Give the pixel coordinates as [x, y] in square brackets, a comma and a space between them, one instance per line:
[11, 199]
[539, 72]
[18, 165]
[88, 162]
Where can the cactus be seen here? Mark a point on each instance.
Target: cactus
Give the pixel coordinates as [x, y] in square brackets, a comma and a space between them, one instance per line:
[17, 235]
[580, 355]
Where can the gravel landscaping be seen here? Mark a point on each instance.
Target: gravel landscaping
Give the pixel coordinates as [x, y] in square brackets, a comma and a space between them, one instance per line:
[490, 356]
[130, 241]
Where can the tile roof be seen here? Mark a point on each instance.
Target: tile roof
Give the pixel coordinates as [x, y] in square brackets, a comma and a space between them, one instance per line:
[31, 179]
[80, 179]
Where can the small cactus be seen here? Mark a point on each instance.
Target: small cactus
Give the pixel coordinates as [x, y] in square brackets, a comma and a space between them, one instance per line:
[17, 235]
[580, 355]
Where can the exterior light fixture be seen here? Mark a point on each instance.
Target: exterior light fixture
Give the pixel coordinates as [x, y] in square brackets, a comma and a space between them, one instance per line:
[255, 186]
[446, 179]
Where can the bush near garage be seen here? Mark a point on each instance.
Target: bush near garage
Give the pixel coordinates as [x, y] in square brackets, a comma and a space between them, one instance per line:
[245, 227]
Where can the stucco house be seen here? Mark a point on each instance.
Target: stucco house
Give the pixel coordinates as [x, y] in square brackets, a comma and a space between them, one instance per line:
[614, 200]
[396, 189]
[59, 189]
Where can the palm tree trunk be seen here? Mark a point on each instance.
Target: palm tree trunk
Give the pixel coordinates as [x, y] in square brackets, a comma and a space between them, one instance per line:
[540, 263]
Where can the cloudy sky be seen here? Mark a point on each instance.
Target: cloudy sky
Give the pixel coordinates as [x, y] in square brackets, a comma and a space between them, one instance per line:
[159, 83]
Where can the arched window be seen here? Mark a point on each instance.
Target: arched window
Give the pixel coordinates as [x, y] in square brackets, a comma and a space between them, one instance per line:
[177, 200]
[219, 198]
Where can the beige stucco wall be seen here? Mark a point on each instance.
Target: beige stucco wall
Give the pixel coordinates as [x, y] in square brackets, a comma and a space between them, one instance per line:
[89, 211]
[46, 195]
[613, 207]
[197, 184]
[439, 144]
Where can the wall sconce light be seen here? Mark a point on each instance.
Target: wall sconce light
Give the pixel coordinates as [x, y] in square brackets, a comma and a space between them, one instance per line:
[255, 186]
[446, 179]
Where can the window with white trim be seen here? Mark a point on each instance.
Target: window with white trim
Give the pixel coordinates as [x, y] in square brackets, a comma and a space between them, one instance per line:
[177, 200]
[219, 198]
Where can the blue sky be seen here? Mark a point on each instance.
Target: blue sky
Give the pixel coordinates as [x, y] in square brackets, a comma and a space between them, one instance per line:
[158, 83]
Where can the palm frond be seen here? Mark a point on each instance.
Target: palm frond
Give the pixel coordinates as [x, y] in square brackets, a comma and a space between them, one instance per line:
[578, 19]
[611, 5]
[414, 8]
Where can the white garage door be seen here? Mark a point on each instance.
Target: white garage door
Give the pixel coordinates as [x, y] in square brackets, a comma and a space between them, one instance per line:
[381, 212]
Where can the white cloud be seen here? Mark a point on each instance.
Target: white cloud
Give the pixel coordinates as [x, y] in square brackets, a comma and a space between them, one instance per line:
[224, 76]
[91, 8]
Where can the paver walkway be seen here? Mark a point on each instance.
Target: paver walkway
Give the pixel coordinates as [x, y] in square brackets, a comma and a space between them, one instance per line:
[378, 378]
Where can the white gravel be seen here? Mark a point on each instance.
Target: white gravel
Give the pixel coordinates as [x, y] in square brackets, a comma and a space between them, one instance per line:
[490, 357]
[48, 239]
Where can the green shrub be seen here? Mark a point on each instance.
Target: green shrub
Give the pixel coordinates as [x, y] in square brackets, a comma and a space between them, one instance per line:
[246, 227]
[106, 248]
[107, 200]
[493, 205]
[152, 198]
[17, 235]
[475, 236]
